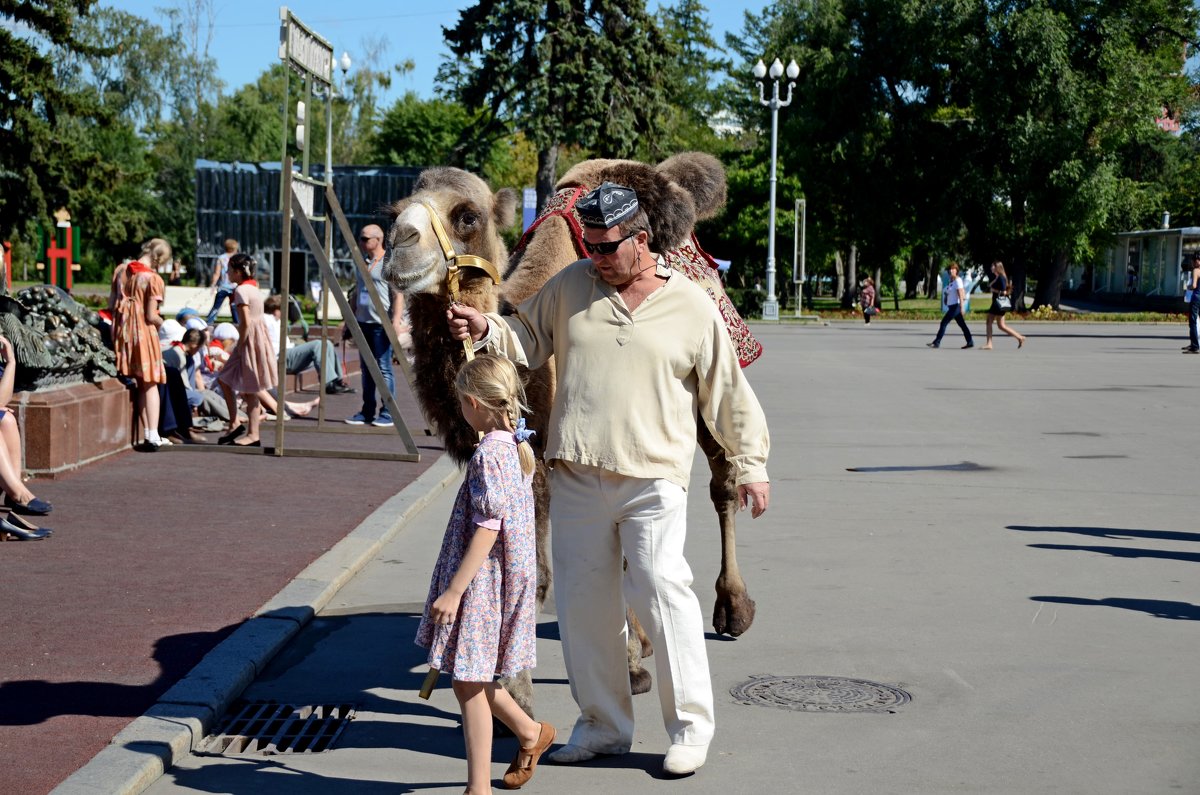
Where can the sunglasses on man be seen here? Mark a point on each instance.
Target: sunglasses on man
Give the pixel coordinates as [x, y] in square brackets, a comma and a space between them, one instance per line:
[607, 247]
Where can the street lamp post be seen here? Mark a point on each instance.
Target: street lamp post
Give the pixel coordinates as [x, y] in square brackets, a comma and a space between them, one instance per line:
[771, 304]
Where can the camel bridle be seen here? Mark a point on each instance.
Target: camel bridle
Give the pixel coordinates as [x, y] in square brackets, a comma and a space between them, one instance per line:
[456, 262]
[454, 265]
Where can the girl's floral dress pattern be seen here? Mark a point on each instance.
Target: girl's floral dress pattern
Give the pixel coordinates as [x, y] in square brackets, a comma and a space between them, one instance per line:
[494, 634]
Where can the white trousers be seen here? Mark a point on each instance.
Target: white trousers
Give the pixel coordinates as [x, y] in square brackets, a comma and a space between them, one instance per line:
[597, 517]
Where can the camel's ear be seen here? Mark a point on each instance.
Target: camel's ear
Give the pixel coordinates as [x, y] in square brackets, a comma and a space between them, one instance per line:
[504, 208]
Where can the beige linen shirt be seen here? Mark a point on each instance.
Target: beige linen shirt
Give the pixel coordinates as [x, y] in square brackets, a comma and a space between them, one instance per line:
[630, 384]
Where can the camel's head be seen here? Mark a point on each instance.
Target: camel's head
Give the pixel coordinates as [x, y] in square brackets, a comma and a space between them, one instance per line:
[471, 215]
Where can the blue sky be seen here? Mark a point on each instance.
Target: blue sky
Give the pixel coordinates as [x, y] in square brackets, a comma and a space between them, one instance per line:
[246, 33]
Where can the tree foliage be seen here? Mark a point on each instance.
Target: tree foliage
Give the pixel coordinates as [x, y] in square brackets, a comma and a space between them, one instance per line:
[562, 72]
[45, 161]
[1014, 129]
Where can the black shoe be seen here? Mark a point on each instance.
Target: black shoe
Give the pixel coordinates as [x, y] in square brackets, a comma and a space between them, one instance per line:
[1190, 350]
[968, 345]
[8, 529]
[233, 434]
[34, 507]
[932, 345]
[338, 388]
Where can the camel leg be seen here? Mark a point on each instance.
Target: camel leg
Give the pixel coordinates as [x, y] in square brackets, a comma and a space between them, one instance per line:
[733, 612]
[520, 687]
[637, 646]
[541, 498]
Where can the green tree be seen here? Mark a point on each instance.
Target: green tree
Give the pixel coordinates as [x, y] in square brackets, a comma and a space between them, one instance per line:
[44, 163]
[248, 124]
[563, 72]
[1064, 92]
[1022, 129]
[692, 101]
[417, 132]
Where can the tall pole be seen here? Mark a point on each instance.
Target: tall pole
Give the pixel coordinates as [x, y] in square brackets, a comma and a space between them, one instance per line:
[770, 309]
[772, 313]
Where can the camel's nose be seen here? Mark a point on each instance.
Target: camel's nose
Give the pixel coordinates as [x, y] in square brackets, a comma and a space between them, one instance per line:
[405, 235]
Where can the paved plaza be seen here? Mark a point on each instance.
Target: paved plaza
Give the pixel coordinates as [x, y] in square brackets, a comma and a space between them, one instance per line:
[1007, 536]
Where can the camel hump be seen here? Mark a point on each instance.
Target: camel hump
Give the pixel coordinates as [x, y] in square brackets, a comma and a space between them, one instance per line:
[702, 176]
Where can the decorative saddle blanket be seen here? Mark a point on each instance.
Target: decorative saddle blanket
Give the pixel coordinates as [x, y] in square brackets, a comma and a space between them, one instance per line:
[689, 259]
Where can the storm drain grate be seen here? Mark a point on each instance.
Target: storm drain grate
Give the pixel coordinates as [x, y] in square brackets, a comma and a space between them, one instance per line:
[265, 728]
[819, 694]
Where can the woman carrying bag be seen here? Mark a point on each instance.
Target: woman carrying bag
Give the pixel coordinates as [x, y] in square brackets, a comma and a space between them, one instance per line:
[1001, 303]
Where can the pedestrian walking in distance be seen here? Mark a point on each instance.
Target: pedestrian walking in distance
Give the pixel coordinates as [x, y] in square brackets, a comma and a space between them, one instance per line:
[954, 296]
[1001, 303]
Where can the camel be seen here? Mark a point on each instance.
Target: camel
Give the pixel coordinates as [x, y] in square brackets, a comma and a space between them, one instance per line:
[675, 194]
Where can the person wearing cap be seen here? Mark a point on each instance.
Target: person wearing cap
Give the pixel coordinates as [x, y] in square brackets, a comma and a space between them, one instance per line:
[620, 451]
[183, 315]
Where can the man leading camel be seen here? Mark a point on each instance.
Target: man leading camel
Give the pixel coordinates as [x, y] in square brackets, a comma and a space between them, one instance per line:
[639, 350]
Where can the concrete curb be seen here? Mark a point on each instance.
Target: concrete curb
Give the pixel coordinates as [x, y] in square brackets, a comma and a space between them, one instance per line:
[172, 728]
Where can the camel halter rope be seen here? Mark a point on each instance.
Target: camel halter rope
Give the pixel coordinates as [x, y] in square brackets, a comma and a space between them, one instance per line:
[455, 262]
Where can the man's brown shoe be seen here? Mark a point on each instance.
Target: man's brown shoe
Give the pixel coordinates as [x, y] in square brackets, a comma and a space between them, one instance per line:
[525, 762]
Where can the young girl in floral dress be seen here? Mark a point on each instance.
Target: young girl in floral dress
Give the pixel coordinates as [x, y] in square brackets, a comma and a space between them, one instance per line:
[252, 365]
[480, 617]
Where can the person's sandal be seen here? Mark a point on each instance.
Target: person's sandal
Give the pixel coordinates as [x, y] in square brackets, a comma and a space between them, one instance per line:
[525, 762]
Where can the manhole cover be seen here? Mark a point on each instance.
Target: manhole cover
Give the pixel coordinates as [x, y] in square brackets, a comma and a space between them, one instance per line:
[819, 694]
[263, 728]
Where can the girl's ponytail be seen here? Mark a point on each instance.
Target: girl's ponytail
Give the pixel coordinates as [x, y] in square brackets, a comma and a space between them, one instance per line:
[524, 449]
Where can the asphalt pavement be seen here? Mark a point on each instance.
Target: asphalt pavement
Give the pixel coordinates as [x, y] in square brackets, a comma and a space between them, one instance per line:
[978, 574]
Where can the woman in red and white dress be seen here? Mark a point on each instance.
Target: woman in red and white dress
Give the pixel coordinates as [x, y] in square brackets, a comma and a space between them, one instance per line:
[251, 366]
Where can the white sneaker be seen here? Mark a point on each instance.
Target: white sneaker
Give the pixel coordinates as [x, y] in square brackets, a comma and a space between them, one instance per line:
[570, 755]
[683, 759]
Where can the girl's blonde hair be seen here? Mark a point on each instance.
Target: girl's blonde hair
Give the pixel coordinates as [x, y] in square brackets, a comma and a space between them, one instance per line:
[158, 249]
[493, 381]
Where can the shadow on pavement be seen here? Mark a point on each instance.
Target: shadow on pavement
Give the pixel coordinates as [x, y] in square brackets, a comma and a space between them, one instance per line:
[1123, 552]
[965, 466]
[1159, 608]
[1115, 533]
[268, 777]
[32, 701]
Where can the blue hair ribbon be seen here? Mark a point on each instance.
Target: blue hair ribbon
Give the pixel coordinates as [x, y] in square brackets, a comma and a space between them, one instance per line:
[521, 433]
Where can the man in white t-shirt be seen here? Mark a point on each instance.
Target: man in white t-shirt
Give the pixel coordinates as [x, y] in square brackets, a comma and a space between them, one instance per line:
[954, 296]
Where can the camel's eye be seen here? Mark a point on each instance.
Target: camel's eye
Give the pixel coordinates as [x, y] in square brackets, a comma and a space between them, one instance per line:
[469, 220]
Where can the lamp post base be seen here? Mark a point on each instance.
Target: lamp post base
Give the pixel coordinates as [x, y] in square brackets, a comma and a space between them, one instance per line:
[770, 310]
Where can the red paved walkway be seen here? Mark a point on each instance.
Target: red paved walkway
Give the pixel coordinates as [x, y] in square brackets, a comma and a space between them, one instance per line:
[155, 558]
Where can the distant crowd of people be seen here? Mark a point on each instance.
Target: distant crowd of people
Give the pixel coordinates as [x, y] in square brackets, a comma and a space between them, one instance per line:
[193, 375]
